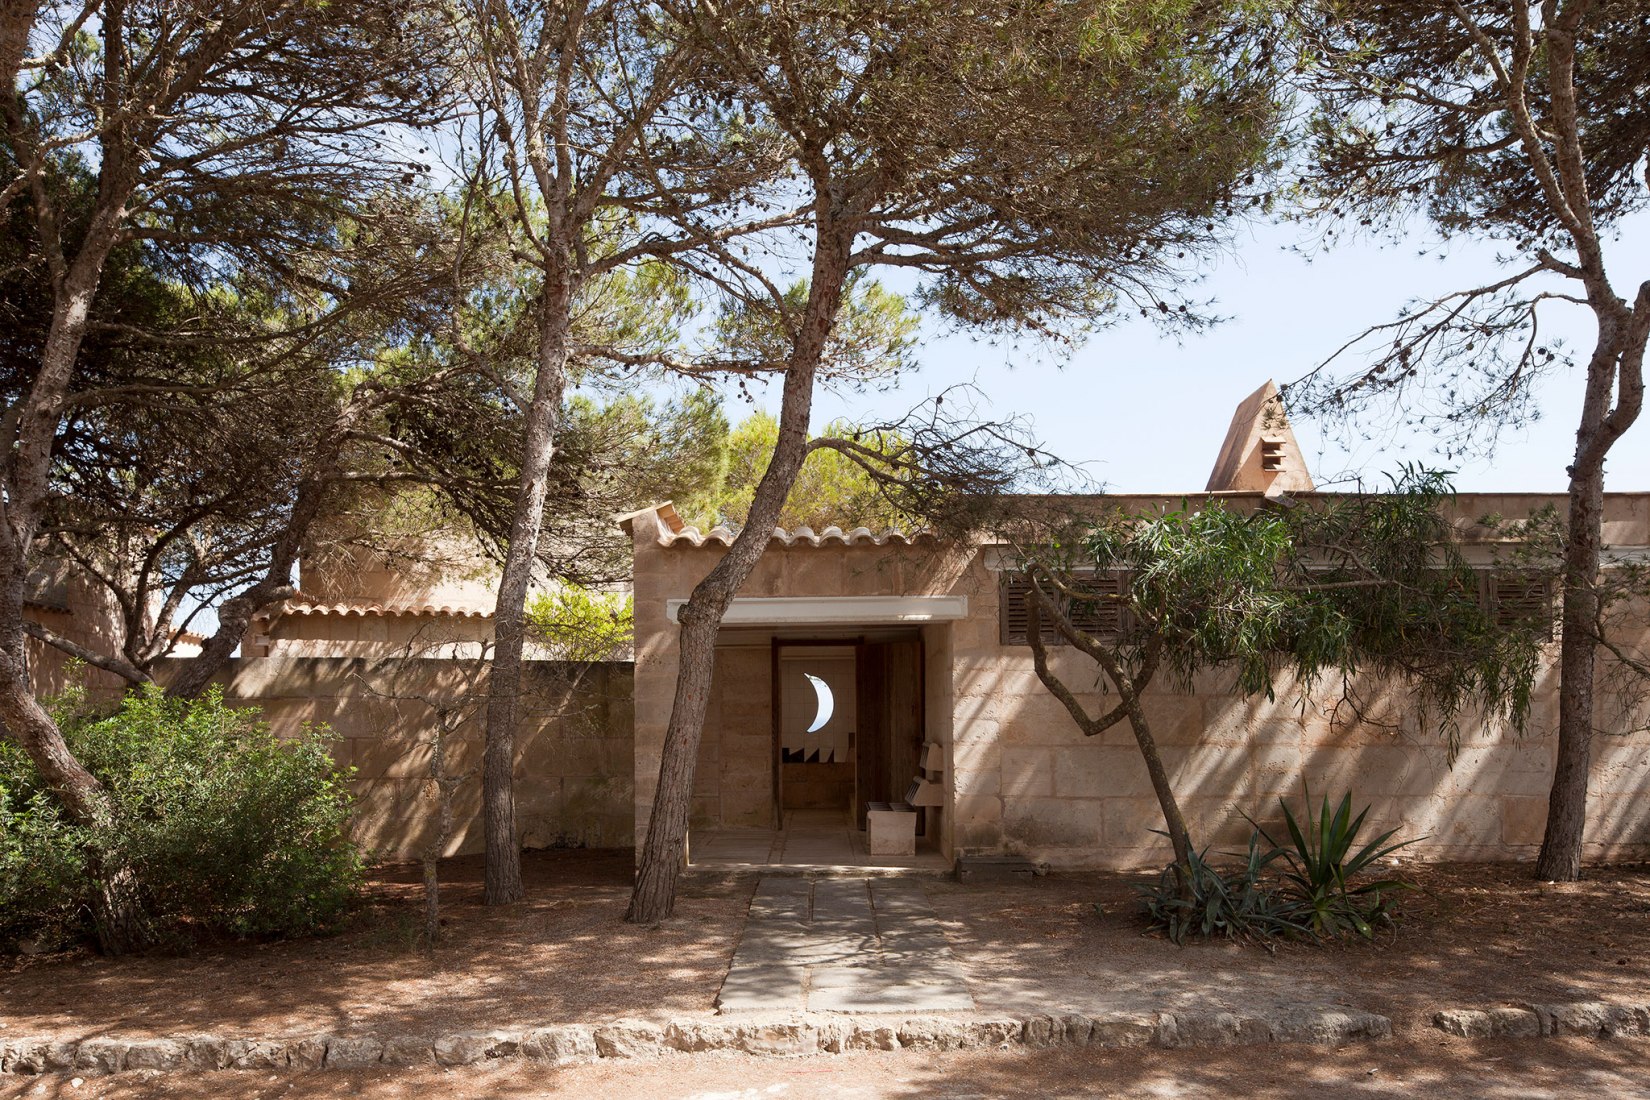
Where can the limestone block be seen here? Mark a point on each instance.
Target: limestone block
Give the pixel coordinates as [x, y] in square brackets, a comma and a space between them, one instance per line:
[1127, 823]
[997, 1033]
[629, 1039]
[1175, 719]
[1226, 719]
[891, 832]
[976, 633]
[976, 754]
[1621, 765]
[354, 1053]
[978, 731]
[100, 1055]
[1124, 1029]
[705, 812]
[1470, 820]
[977, 781]
[161, 1054]
[1052, 822]
[1218, 1029]
[408, 1050]
[309, 1052]
[1205, 770]
[1523, 820]
[933, 1033]
[1327, 1025]
[1219, 822]
[873, 1037]
[469, 1047]
[560, 1045]
[1619, 821]
[1272, 770]
[1111, 770]
[205, 1052]
[1027, 772]
[1590, 1019]
[747, 807]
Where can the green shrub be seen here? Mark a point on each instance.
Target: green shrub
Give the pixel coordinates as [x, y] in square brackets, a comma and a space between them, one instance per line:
[1238, 903]
[42, 860]
[226, 829]
[1323, 866]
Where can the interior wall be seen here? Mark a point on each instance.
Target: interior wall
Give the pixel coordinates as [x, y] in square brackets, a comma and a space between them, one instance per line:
[823, 779]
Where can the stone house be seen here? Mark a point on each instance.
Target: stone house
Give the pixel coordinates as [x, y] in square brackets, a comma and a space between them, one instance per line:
[416, 598]
[856, 667]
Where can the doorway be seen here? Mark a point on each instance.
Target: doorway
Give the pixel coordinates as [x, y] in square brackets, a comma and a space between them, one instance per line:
[816, 684]
[848, 727]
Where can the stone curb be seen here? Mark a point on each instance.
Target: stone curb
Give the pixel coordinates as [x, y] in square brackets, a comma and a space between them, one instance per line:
[791, 1035]
[1588, 1019]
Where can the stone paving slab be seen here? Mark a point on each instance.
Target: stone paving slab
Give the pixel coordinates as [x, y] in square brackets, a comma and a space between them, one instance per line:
[885, 989]
[843, 945]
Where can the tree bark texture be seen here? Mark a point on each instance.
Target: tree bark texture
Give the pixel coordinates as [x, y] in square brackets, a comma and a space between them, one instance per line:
[665, 847]
[26, 472]
[1561, 844]
[1616, 370]
[503, 861]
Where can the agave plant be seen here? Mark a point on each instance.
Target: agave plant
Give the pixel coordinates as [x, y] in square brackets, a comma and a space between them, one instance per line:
[1238, 903]
[1323, 862]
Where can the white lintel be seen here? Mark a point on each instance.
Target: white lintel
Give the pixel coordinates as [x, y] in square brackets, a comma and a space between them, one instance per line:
[837, 610]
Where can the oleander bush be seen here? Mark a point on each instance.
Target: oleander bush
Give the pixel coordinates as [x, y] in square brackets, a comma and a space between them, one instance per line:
[217, 828]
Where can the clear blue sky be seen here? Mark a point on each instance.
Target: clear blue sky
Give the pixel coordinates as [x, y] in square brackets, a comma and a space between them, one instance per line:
[1149, 414]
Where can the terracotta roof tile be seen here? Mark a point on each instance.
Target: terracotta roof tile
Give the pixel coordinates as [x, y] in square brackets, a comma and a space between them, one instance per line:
[363, 609]
[800, 536]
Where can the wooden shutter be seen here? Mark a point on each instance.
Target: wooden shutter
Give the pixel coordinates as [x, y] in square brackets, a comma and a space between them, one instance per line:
[1101, 618]
[1521, 598]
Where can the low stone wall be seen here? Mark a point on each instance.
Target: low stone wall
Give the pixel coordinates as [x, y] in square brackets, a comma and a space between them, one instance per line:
[574, 760]
[787, 1036]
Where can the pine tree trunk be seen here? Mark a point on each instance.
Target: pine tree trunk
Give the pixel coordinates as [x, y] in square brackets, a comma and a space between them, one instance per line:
[1616, 370]
[26, 487]
[503, 861]
[664, 848]
[1561, 844]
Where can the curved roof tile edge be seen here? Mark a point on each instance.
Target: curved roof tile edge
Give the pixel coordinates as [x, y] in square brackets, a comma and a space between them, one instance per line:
[801, 536]
[362, 610]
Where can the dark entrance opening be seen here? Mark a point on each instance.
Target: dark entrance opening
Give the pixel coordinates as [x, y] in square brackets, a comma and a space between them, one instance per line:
[848, 724]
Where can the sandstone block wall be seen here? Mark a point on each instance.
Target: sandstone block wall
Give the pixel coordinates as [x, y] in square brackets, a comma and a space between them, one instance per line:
[1028, 782]
[1020, 778]
[574, 763]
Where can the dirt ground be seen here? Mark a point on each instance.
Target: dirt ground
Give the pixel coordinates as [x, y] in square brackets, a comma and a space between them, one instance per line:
[1472, 935]
[563, 956]
[1436, 1068]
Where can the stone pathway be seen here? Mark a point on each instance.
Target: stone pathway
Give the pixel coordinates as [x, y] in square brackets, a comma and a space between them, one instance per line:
[843, 945]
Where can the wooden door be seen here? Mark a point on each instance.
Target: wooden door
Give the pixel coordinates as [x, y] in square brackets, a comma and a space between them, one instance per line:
[890, 734]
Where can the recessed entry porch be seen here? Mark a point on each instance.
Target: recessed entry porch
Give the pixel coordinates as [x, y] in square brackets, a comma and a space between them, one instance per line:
[823, 709]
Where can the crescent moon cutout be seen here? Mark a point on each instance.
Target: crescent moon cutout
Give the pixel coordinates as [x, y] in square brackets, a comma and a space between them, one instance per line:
[827, 702]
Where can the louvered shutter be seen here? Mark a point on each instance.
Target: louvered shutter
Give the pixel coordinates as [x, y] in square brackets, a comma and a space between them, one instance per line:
[1100, 618]
[1522, 598]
